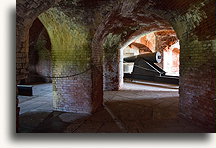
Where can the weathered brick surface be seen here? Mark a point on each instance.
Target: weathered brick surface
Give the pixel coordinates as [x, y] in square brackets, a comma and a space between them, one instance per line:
[27, 11]
[197, 82]
[70, 62]
[112, 24]
[189, 19]
[39, 54]
[122, 26]
[197, 65]
[164, 39]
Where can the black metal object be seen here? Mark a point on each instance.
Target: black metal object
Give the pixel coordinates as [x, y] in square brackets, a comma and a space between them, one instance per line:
[145, 69]
[150, 57]
[24, 90]
[159, 79]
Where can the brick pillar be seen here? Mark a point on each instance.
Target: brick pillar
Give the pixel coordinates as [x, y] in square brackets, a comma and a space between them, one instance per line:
[111, 71]
[71, 62]
[111, 65]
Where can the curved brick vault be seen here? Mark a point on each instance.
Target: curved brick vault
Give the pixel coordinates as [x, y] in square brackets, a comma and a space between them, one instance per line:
[106, 26]
[121, 32]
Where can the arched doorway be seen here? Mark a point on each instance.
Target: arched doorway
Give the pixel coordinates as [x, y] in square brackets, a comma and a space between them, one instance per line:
[121, 24]
[141, 102]
[70, 58]
[162, 41]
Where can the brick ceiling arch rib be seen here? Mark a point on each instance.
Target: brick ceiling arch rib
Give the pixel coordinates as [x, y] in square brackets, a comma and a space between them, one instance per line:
[28, 10]
[189, 16]
[129, 28]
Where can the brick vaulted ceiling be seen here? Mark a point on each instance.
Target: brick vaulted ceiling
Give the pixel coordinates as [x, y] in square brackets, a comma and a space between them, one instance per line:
[113, 8]
[106, 24]
[206, 27]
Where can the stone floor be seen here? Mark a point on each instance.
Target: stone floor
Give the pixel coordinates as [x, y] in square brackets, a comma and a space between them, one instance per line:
[137, 108]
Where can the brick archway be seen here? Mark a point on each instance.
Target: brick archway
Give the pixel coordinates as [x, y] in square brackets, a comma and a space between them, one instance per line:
[188, 26]
[25, 16]
[118, 37]
[159, 44]
[190, 20]
[71, 55]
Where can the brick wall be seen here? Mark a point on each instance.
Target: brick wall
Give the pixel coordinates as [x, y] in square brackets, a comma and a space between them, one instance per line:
[111, 62]
[70, 56]
[109, 26]
[197, 82]
[197, 64]
[39, 54]
[164, 39]
[191, 21]
[26, 12]
[149, 40]
[123, 28]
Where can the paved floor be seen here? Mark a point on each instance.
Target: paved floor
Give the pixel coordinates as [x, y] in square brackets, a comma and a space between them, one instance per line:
[136, 108]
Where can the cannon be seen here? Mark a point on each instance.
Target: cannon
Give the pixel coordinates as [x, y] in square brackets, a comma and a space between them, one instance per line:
[145, 68]
[150, 57]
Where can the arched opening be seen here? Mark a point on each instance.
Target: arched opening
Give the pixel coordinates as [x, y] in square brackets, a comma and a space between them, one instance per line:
[39, 54]
[163, 41]
[66, 65]
[70, 62]
[36, 87]
[86, 38]
[35, 91]
[142, 99]
[115, 40]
